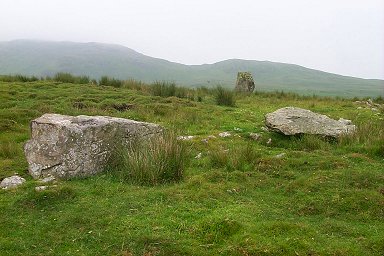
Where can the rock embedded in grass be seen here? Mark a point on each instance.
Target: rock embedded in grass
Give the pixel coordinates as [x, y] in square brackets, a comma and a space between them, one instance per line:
[49, 179]
[294, 121]
[12, 182]
[187, 137]
[78, 146]
[281, 155]
[255, 136]
[40, 188]
[225, 134]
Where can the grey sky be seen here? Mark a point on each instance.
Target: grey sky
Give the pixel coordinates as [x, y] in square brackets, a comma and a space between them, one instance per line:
[339, 36]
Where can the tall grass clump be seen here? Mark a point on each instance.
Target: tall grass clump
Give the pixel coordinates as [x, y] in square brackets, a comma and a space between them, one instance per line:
[169, 89]
[368, 137]
[83, 80]
[310, 142]
[163, 89]
[69, 78]
[160, 159]
[64, 78]
[135, 85]
[108, 81]
[224, 97]
[18, 78]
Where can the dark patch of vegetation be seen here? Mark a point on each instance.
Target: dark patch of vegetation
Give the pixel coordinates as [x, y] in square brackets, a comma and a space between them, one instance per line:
[215, 231]
[48, 198]
[18, 78]
[167, 89]
[108, 81]
[69, 78]
[123, 106]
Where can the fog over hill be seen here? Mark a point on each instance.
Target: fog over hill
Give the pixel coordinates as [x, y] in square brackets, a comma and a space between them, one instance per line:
[45, 58]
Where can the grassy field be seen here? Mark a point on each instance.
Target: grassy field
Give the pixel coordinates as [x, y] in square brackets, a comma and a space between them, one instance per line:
[321, 198]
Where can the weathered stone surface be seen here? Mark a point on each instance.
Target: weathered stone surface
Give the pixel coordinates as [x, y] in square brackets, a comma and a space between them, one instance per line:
[40, 188]
[12, 182]
[49, 179]
[244, 82]
[77, 146]
[225, 134]
[255, 136]
[187, 137]
[292, 121]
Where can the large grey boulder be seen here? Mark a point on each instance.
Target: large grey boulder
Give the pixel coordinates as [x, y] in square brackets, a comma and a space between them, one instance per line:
[244, 82]
[293, 121]
[77, 146]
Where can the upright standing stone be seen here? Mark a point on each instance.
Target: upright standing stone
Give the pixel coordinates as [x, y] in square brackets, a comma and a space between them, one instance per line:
[77, 146]
[244, 82]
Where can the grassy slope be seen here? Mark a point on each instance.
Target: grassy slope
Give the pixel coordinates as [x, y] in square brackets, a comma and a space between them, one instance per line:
[95, 59]
[322, 198]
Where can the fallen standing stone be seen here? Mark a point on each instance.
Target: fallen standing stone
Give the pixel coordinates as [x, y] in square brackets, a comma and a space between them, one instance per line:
[293, 121]
[78, 146]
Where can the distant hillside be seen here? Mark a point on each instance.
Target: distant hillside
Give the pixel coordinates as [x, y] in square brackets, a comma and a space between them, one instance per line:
[43, 58]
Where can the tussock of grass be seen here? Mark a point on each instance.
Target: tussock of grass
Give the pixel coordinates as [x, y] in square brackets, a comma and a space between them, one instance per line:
[69, 78]
[108, 81]
[168, 89]
[310, 142]
[225, 97]
[160, 159]
[135, 85]
[18, 78]
[369, 137]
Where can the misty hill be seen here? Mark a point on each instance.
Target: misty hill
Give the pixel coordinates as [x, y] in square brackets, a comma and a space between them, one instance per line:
[44, 58]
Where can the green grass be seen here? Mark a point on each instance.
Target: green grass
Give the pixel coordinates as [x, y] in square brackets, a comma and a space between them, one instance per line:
[157, 160]
[69, 78]
[108, 81]
[225, 97]
[322, 197]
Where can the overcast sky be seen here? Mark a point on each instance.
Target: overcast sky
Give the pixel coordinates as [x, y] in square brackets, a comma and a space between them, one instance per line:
[339, 36]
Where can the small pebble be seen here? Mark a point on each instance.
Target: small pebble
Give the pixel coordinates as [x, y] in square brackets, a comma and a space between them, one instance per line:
[255, 136]
[280, 155]
[224, 134]
[185, 137]
[40, 188]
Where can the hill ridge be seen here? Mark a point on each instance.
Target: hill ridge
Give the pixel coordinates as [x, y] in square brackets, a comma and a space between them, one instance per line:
[45, 58]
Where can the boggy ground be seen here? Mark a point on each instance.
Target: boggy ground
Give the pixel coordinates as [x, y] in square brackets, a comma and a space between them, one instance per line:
[321, 198]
